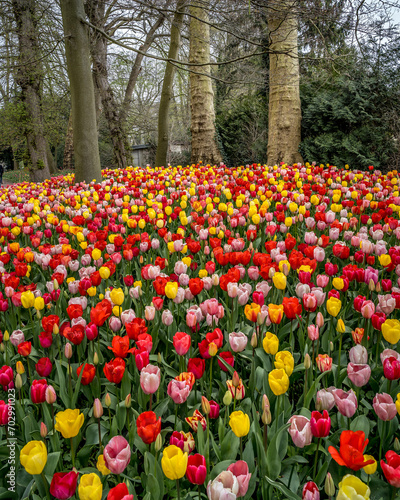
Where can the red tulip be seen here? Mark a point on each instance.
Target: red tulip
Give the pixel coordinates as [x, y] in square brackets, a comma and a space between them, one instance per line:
[148, 426]
[120, 346]
[24, 348]
[228, 357]
[100, 313]
[114, 370]
[391, 469]
[119, 492]
[320, 424]
[74, 311]
[351, 452]
[196, 286]
[38, 391]
[89, 372]
[63, 484]
[197, 367]
[182, 343]
[135, 328]
[4, 415]
[196, 470]
[44, 367]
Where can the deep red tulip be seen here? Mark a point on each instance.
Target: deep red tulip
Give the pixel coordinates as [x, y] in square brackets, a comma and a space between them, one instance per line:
[63, 485]
[114, 370]
[44, 367]
[196, 470]
[89, 372]
[148, 426]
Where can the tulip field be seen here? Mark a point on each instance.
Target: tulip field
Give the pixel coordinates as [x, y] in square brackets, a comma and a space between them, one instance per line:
[201, 332]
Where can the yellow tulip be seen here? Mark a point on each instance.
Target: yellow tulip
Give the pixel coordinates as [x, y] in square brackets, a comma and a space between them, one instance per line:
[96, 254]
[90, 487]
[271, 343]
[117, 296]
[101, 465]
[340, 327]
[33, 457]
[279, 280]
[385, 260]
[338, 283]
[27, 299]
[398, 403]
[251, 311]
[278, 381]
[275, 313]
[352, 488]
[239, 422]
[171, 289]
[333, 306]
[391, 330]
[285, 361]
[38, 303]
[174, 462]
[69, 422]
[371, 468]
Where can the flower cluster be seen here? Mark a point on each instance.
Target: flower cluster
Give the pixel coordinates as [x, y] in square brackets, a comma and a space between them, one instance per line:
[227, 332]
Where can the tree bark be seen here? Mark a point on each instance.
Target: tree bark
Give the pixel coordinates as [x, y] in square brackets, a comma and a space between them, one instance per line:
[167, 88]
[29, 77]
[204, 144]
[86, 146]
[284, 120]
[68, 161]
[95, 10]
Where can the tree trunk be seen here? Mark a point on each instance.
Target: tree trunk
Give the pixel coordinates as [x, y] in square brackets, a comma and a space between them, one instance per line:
[68, 161]
[284, 120]
[167, 88]
[86, 146]
[204, 144]
[29, 77]
[95, 10]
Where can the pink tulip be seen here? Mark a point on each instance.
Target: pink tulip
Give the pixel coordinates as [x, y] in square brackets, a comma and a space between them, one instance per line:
[359, 375]
[150, 378]
[240, 469]
[237, 341]
[346, 402]
[191, 319]
[389, 353]
[310, 491]
[322, 280]
[167, 318]
[358, 355]
[300, 430]
[224, 487]
[325, 399]
[384, 406]
[178, 391]
[232, 289]
[181, 343]
[117, 454]
[17, 337]
[313, 332]
[149, 313]
[367, 309]
[320, 320]
[253, 273]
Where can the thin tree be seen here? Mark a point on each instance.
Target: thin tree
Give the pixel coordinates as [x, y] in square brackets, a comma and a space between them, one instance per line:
[86, 147]
[204, 143]
[167, 88]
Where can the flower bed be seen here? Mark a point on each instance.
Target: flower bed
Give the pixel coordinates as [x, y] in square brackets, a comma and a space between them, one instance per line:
[201, 332]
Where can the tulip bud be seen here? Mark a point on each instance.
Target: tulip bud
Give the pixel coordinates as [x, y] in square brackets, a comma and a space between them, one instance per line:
[378, 287]
[51, 396]
[340, 327]
[97, 408]
[329, 485]
[6, 336]
[320, 320]
[265, 403]
[107, 400]
[260, 319]
[371, 285]
[266, 417]
[159, 358]
[18, 381]
[271, 272]
[318, 405]
[95, 359]
[159, 442]
[227, 399]
[68, 350]
[212, 349]
[56, 330]
[254, 340]
[396, 445]
[38, 314]
[43, 430]
[235, 379]
[307, 361]
[330, 346]
[55, 284]
[205, 405]
[2, 347]
[128, 401]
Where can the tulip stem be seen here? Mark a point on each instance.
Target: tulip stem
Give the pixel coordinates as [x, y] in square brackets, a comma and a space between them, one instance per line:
[176, 416]
[52, 417]
[316, 459]
[178, 490]
[340, 355]
[211, 364]
[150, 402]
[394, 492]
[241, 448]
[377, 347]
[100, 443]
[46, 486]
[72, 452]
[198, 489]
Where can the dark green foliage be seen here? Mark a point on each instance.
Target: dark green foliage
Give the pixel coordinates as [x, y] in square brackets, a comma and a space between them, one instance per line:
[344, 122]
[242, 129]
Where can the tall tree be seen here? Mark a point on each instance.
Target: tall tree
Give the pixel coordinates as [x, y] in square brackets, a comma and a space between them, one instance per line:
[167, 88]
[29, 76]
[86, 147]
[204, 143]
[284, 119]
